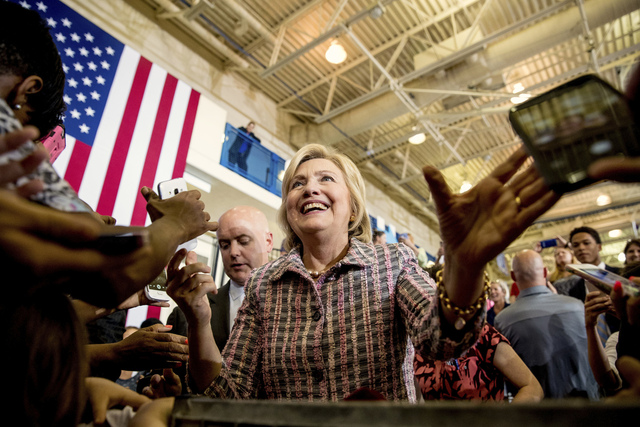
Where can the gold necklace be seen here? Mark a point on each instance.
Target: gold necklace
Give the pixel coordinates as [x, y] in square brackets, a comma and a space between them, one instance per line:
[315, 274]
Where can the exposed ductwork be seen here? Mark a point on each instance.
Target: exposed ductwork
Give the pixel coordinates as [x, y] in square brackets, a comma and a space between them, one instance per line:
[499, 55]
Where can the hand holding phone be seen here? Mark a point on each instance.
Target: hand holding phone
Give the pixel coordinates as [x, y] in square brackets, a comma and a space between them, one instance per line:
[568, 128]
[604, 280]
[157, 289]
[170, 188]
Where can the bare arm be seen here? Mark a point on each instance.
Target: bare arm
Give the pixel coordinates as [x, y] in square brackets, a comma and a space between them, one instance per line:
[189, 290]
[514, 369]
[596, 303]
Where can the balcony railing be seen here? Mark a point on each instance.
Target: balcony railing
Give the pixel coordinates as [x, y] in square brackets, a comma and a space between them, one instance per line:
[247, 157]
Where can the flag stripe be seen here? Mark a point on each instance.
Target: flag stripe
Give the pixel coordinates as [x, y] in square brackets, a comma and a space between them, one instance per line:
[155, 148]
[123, 140]
[103, 146]
[79, 158]
[185, 139]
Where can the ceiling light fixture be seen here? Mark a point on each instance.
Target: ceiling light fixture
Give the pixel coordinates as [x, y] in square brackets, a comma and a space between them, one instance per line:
[417, 139]
[603, 200]
[622, 257]
[520, 98]
[466, 186]
[336, 53]
[615, 233]
[377, 11]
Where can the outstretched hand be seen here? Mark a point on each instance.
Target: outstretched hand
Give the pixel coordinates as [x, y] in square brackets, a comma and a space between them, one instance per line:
[479, 224]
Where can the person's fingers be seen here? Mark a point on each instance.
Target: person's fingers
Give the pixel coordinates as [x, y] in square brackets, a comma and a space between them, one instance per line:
[12, 140]
[171, 378]
[616, 168]
[148, 194]
[192, 258]
[524, 179]
[213, 225]
[619, 301]
[174, 264]
[528, 214]
[438, 187]
[30, 188]
[509, 167]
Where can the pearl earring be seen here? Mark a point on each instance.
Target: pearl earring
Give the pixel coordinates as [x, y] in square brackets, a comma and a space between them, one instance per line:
[17, 107]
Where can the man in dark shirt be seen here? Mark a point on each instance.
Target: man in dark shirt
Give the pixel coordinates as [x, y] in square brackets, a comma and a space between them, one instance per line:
[241, 147]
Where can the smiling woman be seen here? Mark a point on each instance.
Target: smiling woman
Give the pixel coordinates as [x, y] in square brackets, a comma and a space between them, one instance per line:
[337, 313]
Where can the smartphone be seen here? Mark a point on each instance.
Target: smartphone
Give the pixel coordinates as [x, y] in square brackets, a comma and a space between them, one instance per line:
[57, 193]
[121, 240]
[55, 142]
[157, 289]
[550, 243]
[603, 279]
[571, 126]
[170, 188]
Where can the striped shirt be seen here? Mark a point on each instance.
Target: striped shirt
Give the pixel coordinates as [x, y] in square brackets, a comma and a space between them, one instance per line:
[303, 340]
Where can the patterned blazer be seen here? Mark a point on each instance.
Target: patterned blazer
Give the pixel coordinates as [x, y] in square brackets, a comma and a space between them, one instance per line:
[299, 339]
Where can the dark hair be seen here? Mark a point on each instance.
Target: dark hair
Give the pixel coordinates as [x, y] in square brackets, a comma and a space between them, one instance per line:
[27, 49]
[587, 230]
[629, 243]
[45, 366]
[378, 233]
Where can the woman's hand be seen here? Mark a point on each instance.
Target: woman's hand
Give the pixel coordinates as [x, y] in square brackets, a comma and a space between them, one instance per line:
[188, 288]
[479, 224]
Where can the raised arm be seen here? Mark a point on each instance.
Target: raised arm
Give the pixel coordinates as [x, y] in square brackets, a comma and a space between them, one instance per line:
[595, 304]
[189, 289]
[479, 224]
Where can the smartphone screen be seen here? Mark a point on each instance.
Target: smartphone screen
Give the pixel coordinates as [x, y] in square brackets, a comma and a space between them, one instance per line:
[603, 279]
[571, 126]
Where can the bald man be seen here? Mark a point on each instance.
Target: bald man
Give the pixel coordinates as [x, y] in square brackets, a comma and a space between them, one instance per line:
[245, 243]
[548, 332]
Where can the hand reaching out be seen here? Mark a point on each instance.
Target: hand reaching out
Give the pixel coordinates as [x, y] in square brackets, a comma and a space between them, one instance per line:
[13, 170]
[189, 289]
[166, 385]
[595, 304]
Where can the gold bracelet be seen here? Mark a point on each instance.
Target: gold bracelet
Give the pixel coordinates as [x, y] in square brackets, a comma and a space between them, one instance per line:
[459, 311]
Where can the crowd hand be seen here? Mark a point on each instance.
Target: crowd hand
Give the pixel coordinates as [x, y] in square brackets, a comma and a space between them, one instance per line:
[626, 306]
[188, 288]
[13, 170]
[104, 395]
[562, 242]
[623, 169]
[151, 348]
[166, 385]
[138, 299]
[595, 304]
[479, 224]
[537, 246]
[46, 241]
[185, 209]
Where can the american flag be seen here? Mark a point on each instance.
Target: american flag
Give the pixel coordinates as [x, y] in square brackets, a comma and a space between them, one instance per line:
[128, 122]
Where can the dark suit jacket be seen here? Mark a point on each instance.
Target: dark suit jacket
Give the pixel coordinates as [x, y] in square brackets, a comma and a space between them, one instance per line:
[220, 322]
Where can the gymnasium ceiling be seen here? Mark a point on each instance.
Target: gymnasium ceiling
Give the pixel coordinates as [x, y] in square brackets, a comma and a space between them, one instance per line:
[445, 68]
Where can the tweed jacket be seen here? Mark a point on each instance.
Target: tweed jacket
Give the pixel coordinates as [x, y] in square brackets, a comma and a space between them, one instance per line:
[296, 339]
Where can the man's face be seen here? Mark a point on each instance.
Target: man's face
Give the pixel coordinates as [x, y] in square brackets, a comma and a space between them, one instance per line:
[244, 246]
[586, 249]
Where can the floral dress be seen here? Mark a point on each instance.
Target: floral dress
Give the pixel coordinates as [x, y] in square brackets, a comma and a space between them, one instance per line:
[470, 377]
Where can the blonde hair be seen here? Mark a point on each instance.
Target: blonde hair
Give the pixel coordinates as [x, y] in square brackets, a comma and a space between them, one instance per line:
[360, 227]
